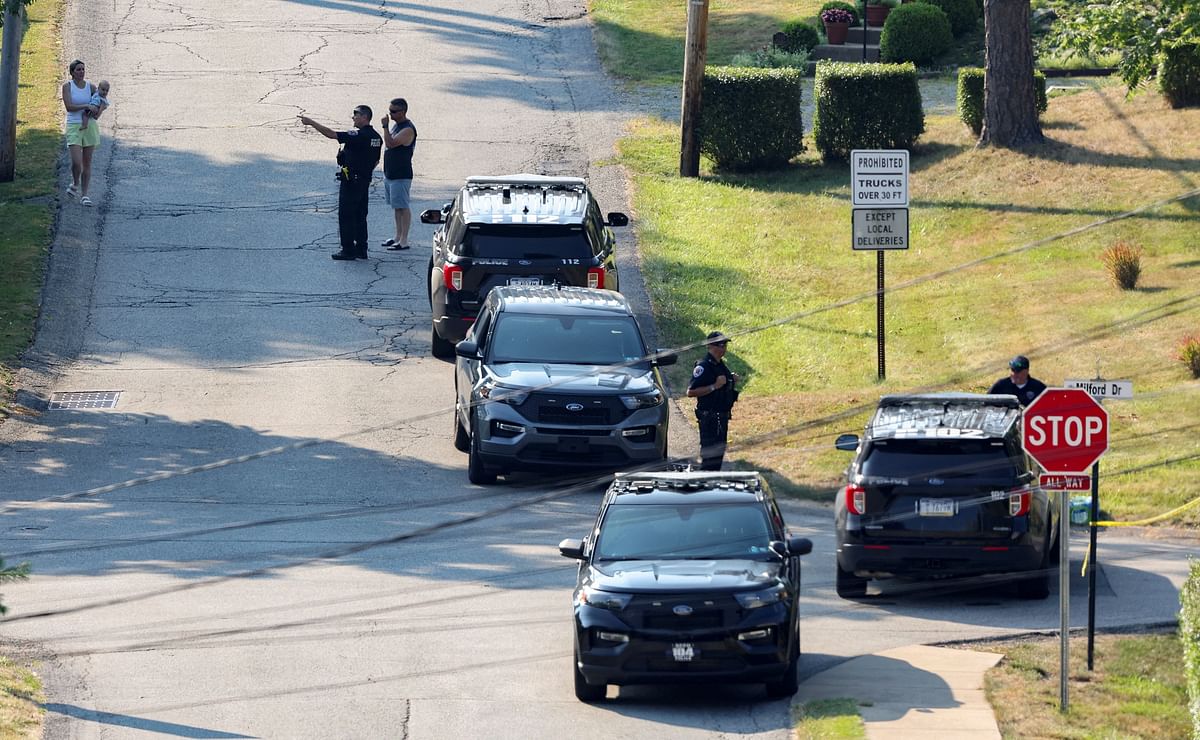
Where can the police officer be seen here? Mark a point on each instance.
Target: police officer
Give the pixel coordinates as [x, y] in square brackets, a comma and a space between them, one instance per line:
[357, 158]
[1019, 382]
[715, 387]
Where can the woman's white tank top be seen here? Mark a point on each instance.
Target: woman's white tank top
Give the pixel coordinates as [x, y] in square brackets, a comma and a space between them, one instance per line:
[78, 97]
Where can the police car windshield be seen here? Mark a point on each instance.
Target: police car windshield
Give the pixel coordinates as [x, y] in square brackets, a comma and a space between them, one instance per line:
[687, 532]
[509, 241]
[575, 340]
[975, 460]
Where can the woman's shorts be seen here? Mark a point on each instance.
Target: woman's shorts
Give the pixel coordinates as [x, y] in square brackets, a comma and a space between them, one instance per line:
[397, 192]
[89, 136]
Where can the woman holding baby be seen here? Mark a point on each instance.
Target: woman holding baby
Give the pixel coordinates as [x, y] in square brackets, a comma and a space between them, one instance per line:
[84, 103]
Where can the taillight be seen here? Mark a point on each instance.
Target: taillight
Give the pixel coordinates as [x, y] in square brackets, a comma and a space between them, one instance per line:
[1018, 502]
[595, 277]
[856, 499]
[452, 275]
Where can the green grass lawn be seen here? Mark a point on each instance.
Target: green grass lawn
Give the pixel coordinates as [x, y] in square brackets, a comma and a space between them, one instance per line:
[21, 699]
[25, 203]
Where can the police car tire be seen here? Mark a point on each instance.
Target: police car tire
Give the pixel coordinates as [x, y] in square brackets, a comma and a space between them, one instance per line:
[440, 348]
[462, 440]
[585, 691]
[477, 472]
[848, 585]
[789, 684]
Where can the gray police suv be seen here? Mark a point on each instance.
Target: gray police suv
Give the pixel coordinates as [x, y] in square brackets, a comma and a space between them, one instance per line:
[687, 577]
[940, 487]
[557, 377]
[514, 230]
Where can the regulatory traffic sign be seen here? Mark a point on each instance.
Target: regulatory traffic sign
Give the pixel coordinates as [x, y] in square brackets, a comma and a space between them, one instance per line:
[1065, 430]
[1061, 482]
[879, 177]
[880, 228]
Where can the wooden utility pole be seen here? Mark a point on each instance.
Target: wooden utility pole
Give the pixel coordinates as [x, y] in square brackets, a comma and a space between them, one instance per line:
[10, 64]
[695, 49]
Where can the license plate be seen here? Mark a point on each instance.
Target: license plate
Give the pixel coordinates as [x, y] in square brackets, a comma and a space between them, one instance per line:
[683, 652]
[936, 507]
[524, 281]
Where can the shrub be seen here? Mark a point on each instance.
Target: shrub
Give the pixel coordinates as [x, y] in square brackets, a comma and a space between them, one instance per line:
[970, 96]
[853, 9]
[1124, 264]
[962, 14]
[1189, 353]
[771, 57]
[1179, 75]
[799, 36]
[1189, 638]
[915, 32]
[865, 106]
[750, 118]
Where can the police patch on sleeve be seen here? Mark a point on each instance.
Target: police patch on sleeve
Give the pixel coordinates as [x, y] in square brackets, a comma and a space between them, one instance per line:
[352, 132]
[698, 371]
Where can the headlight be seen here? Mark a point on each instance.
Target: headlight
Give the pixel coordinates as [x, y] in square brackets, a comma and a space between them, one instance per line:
[758, 599]
[604, 599]
[493, 391]
[643, 400]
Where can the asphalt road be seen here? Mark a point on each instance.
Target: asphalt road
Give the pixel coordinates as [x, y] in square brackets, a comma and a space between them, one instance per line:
[317, 565]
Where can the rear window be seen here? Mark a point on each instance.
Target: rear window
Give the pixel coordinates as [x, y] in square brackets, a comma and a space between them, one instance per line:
[508, 241]
[574, 340]
[963, 459]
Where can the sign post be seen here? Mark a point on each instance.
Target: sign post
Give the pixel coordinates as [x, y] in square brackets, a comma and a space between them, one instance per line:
[1065, 430]
[1099, 389]
[879, 219]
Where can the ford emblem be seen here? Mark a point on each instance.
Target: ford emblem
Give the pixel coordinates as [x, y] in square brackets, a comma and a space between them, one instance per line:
[936, 481]
[524, 262]
[683, 610]
[574, 407]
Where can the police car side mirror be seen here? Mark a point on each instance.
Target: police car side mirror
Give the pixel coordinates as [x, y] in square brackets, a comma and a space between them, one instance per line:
[616, 218]
[431, 216]
[571, 549]
[663, 357]
[468, 349]
[847, 442]
[799, 545]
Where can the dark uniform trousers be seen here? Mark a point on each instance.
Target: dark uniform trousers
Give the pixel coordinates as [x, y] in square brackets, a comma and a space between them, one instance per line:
[352, 214]
[714, 432]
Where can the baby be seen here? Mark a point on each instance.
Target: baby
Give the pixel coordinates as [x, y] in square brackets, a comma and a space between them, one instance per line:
[99, 99]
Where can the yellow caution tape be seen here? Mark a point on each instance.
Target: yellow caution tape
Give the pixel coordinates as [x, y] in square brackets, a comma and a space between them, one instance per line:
[1139, 523]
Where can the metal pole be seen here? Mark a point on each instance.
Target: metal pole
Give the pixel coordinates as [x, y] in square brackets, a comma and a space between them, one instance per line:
[864, 34]
[879, 313]
[1064, 597]
[1093, 563]
[695, 48]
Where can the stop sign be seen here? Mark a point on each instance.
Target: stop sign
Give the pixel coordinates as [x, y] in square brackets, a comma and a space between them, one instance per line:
[1065, 430]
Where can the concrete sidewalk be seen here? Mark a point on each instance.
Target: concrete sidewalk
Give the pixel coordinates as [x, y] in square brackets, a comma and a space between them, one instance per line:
[917, 692]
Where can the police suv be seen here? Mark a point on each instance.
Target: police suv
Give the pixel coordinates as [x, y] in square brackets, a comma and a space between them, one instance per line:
[514, 230]
[940, 486]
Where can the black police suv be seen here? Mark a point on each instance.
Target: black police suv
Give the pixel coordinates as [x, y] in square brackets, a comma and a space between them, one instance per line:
[940, 487]
[551, 378]
[686, 577]
[514, 230]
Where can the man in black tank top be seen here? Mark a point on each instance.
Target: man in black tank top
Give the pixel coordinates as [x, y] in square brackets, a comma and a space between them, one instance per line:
[356, 163]
[399, 141]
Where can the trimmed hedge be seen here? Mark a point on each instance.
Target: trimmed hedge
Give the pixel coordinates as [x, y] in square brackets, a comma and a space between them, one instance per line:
[970, 96]
[800, 35]
[865, 106]
[1179, 75]
[844, 6]
[915, 32]
[962, 14]
[1189, 638]
[750, 117]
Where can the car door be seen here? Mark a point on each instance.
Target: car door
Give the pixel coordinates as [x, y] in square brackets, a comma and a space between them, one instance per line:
[467, 370]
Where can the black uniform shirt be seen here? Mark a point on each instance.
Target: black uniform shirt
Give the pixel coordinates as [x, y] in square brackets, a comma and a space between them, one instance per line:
[360, 149]
[705, 374]
[1025, 394]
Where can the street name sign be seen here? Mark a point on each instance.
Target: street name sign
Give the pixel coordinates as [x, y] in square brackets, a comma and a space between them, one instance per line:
[880, 228]
[879, 177]
[1101, 389]
[1065, 430]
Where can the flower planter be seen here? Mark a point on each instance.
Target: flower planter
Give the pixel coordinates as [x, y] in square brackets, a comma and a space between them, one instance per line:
[877, 14]
[836, 33]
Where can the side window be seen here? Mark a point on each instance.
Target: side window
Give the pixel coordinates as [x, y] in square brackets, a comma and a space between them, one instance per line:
[594, 240]
[455, 229]
[778, 530]
[481, 327]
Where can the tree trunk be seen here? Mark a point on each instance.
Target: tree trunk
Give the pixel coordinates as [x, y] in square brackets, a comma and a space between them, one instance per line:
[1010, 117]
[10, 66]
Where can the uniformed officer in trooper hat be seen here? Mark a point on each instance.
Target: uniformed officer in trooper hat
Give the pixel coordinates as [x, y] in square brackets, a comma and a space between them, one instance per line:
[356, 160]
[714, 386]
[1019, 382]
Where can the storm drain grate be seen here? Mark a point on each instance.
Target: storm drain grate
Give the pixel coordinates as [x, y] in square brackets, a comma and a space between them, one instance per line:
[84, 400]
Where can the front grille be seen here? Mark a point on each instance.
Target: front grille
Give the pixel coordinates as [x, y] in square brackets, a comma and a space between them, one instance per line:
[709, 612]
[668, 621]
[573, 410]
[552, 415]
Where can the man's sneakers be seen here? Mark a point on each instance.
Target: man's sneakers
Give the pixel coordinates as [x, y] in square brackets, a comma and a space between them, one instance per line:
[393, 245]
[344, 255]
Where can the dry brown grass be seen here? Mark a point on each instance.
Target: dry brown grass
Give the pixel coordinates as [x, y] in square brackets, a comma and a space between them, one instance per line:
[21, 698]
